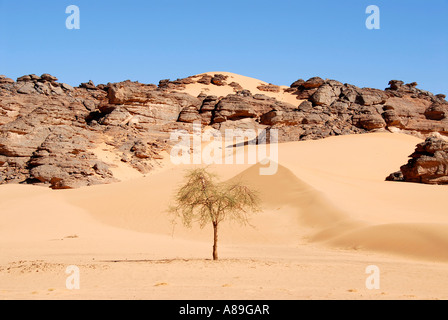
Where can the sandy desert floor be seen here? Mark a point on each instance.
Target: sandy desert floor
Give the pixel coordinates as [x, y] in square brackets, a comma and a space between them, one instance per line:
[328, 214]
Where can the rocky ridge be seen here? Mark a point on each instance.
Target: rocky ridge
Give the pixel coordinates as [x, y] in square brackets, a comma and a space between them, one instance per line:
[49, 131]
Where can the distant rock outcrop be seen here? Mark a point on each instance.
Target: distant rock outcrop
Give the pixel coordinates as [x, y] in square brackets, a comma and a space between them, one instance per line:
[269, 88]
[400, 107]
[428, 164]
[50, 132]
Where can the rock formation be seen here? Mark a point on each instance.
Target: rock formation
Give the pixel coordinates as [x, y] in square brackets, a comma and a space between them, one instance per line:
[428, 164]
[50, 132]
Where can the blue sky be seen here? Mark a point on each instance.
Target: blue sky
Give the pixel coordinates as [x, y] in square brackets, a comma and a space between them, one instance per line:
[276, 41]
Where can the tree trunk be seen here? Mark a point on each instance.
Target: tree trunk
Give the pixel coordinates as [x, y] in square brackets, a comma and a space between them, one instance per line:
[215, 241]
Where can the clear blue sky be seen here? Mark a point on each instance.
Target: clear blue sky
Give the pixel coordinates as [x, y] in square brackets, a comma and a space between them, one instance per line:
[278, 41]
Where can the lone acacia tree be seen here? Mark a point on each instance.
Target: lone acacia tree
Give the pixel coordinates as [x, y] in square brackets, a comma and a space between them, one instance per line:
[204, 200]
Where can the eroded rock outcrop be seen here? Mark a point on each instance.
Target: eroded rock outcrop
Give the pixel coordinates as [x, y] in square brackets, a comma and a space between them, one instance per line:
[428, 164]
[49, 136]
[401, 106]
[54, 134]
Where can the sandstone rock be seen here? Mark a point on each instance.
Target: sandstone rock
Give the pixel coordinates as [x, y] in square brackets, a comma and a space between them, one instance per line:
[398, 88]
[297, 84]
[43, 88]
[183, 82]
[103, 87]
[67, 87]
[205, 79]
[339, 107]
[140, 150]
[262, 97]
[306, 106]
[334, 83]
[51, 174]
[244, 93]
[396, 176]
[4, 79]
[49, 143]
[149, 105]
[219, 80]
[209, 103]
[48, 77]
[372, 122]
[313, 118]
[305, 94]
[349, 93]
[236, 86]
[90, 105]
[392, 119]
[117, 117]
[178, 84]
[368, 97]
[49, 132]
[164, 84]
[313, 83]
[280, 116]
[88, 85]
[325, 95]
[21, 143]
[63, 161]
[428, 164]
[369, 119]
[207, 108]
[24, 78]
[240, 124]
[57, 90]
[189, 115]
[395, 84]
[234, 108]
[244, 105]
[436, 112]
[27, 88]
[202, 96]
[269, 88]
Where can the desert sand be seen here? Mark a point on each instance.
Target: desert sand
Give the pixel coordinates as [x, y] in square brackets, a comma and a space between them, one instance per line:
[328, 214]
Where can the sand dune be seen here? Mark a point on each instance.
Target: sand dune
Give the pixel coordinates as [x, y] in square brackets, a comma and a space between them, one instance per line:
[421, 240]
[328, 204]
[248, 83]
[285, 189]
[290, 206]
[336, 200]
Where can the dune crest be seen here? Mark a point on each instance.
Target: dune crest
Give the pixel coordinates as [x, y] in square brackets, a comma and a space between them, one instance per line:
[284, 188]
